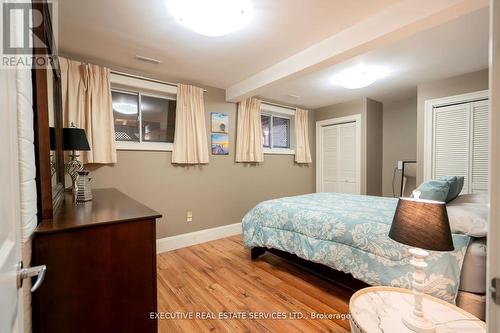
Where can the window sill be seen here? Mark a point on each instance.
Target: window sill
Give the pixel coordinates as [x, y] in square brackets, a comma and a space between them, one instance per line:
[279, 151]
[156, 146]
[145, 146]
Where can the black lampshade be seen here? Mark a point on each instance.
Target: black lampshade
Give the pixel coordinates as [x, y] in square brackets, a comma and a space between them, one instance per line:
[423, 224]
[73, 139]
[52, 138]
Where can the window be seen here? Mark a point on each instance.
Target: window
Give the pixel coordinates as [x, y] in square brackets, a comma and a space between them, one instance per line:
[277, 130]
[158, 119]
[144, 113]
[126, 115]
[281, 132]
[143, 121]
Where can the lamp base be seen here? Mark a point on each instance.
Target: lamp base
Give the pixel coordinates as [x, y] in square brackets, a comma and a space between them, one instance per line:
[72, 168]
[419, 324]
[416, 320]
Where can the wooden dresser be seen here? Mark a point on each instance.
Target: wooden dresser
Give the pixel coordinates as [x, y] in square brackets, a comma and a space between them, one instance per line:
[101, 267]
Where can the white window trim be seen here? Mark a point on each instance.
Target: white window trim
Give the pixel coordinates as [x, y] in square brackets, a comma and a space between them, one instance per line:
[130, 85]
[429, 106]
[273, 110]
[136, 83]
[147, 146]
[279, 151]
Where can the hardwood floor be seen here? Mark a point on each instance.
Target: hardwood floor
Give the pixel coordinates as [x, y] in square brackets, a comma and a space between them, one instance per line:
[216, 277]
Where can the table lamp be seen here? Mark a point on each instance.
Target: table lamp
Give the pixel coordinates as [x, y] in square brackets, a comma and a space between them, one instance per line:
[74, 139]
[423, 225]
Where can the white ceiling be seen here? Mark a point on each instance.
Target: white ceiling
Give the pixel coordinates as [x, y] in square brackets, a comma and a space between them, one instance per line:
[265, 58]
[454, 48]
[112, 32]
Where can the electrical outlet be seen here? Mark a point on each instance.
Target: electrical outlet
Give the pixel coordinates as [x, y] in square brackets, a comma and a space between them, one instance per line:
[189, 216]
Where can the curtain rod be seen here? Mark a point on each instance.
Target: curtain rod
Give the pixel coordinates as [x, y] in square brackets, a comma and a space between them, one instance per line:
[146, 78]
[279, 105]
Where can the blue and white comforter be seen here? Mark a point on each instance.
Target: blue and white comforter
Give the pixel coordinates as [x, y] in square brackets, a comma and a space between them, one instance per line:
[350, 233]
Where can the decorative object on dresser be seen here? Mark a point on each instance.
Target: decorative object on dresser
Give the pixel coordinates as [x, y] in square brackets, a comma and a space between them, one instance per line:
[101, 266]
[424, 225]
[82, 189]
[381, 309]
[74, 139]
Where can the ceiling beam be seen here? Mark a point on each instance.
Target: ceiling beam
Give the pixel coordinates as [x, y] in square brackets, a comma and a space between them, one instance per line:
[399, 21]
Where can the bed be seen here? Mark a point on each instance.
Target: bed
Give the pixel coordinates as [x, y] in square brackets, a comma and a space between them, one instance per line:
[349, 233]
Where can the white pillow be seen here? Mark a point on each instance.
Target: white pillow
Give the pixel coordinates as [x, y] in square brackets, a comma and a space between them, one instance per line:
[468, 218]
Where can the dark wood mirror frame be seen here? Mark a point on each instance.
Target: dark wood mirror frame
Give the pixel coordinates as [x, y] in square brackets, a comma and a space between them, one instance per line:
[49, 194]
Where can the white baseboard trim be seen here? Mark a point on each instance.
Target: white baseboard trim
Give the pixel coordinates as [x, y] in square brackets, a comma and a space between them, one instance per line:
[197, 237]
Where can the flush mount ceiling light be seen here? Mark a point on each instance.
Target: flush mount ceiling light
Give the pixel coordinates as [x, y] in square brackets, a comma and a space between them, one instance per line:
[125, 108]
[359, 76]
[212, 17]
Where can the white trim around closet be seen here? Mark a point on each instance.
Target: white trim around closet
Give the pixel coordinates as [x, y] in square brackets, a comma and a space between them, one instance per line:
[197, 237]
[319, 156]
[429, 106]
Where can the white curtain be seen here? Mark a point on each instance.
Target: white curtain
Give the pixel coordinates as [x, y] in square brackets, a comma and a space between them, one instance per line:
[86, 99]
[302, 151]
[249, 132]
[190, 141]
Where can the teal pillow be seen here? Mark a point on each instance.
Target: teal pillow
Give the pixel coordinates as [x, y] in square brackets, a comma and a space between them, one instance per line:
[433, 189]
[456, 185]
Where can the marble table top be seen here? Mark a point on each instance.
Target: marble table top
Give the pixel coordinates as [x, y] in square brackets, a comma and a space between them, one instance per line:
[380, 309]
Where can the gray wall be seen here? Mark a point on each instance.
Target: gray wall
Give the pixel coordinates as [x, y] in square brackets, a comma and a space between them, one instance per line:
[223, 191]
[442, 88]
[371, 138]
[399, 139]
[374, 147]
[219, 193]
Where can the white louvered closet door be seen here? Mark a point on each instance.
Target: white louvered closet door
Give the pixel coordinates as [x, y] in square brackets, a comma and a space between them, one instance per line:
[348, 182]
[339, 158]
[451, 139]
[460, 144]
[330, 156]
[480, 149]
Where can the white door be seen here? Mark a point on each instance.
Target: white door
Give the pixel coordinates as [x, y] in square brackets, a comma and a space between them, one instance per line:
[450, 142]
[347, 174]
[329, 161]
[479, 166]
[338, 151]
[460, 137]
[493, 270]
[10, 244]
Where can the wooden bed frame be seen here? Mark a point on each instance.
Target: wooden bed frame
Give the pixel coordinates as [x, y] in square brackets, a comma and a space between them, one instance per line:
[342, 279]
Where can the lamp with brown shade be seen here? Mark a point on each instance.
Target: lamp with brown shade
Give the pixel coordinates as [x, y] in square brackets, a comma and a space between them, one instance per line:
[423, 225]
[74, 139]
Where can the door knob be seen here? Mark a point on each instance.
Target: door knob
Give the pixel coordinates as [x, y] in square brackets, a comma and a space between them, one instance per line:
[25, 273]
